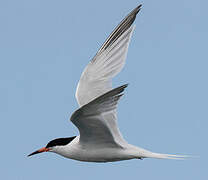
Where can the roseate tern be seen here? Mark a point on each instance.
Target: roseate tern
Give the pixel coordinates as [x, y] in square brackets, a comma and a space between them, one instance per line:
[100, 139]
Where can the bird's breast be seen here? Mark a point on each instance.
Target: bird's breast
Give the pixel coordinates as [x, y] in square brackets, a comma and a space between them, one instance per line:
[96, 154]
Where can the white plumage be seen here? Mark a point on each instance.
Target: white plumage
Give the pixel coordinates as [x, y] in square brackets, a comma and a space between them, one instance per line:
[100, 139]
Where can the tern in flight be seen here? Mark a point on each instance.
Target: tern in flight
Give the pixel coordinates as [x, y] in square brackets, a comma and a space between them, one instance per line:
[100, 139]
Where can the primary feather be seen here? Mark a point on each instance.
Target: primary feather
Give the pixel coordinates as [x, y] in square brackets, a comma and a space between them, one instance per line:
[96, 78]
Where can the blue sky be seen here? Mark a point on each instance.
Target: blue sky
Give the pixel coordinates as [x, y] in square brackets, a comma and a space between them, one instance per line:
[44, 46]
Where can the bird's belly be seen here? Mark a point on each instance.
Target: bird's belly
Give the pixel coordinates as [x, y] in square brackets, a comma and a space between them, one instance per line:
[98, 155]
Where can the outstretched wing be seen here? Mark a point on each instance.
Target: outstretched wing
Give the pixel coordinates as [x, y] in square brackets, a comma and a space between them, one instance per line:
[96, 78]
[95, 129]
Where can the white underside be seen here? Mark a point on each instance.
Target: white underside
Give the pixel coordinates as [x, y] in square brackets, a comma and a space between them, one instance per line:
[92, 153]
[100, 139]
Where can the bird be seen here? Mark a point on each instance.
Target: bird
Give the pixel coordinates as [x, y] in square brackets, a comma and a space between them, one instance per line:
[100, 139]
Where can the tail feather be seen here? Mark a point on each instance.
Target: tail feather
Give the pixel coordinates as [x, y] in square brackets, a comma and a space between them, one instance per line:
[167, 156]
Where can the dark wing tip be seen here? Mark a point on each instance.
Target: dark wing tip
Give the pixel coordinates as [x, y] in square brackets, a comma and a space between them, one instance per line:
[139, 7]
[117, 91]
[120, 29]
[135, 10]
[112, 93]
[121, 88]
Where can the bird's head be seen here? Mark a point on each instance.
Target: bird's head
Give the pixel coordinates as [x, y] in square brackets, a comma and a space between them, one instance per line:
[53, 145]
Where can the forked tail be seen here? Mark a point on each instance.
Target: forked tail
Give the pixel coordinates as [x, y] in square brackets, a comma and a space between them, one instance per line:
[166, 156]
